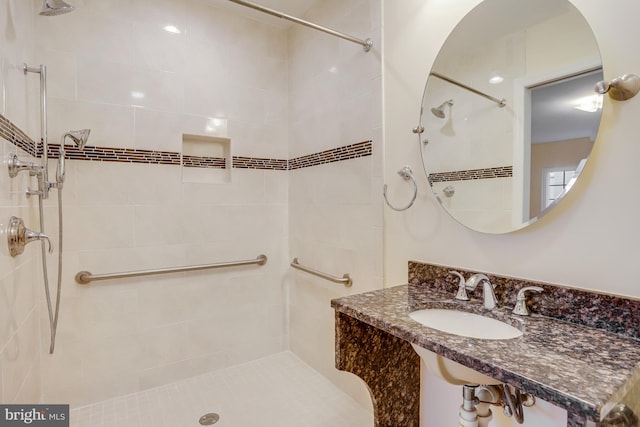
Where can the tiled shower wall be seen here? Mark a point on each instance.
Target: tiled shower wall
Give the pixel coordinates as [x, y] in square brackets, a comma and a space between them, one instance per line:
[20, 287]
[335, 210]
[113, 68]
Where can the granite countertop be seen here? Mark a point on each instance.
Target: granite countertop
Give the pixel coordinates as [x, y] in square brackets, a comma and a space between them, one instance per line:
[579, 368]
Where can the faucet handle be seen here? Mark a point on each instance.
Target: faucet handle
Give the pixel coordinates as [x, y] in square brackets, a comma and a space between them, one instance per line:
[462, 287]
[18, 236]
[521, 300]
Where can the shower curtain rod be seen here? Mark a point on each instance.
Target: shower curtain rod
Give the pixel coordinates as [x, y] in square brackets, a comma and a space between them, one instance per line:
[501, 102]
[366, 44]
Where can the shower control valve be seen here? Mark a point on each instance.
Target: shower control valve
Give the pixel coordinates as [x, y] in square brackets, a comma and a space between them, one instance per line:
[15, 165]
[18, 236]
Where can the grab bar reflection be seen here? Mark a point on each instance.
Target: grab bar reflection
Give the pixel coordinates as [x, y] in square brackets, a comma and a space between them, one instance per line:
[84, 277]
[345, 279]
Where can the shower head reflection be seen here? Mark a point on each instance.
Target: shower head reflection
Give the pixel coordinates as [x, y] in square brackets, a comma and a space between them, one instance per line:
[439, 110]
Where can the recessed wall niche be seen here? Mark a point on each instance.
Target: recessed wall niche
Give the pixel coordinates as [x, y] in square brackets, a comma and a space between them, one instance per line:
[206, 159]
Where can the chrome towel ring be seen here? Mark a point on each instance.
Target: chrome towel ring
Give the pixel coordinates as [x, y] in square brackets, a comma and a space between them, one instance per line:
[407, 174]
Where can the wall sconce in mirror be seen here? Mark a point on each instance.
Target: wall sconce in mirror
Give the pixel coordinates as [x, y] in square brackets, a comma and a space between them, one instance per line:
[621, 88]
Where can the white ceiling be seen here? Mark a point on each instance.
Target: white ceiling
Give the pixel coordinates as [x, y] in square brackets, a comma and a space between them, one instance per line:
[295, 8]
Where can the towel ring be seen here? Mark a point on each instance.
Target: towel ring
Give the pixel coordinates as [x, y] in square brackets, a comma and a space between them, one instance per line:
[407, 174]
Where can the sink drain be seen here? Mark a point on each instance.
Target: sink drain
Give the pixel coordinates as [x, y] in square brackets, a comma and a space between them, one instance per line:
[209, 419]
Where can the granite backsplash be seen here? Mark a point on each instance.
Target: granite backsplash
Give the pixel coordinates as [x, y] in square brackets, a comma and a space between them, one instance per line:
[613, 313]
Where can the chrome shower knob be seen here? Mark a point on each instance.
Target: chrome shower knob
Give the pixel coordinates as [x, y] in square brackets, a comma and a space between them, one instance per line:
[15, 165]
[18, 236]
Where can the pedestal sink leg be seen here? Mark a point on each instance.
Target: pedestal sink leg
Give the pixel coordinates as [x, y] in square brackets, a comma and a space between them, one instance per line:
[387, 364]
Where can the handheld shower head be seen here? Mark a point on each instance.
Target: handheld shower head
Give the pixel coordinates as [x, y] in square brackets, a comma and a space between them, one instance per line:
[439, 110]
[78, 136]
[55, 7]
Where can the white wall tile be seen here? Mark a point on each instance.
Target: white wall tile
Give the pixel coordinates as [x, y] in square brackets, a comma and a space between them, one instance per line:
[335, 222]
[157, 89]
[19, 341]
[158, 49]
[99, 227]
[19, 357]
[111, 125]
[105, 82]
[136, 333]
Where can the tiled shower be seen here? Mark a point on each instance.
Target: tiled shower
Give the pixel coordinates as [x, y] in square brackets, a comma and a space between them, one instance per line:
[300, 114]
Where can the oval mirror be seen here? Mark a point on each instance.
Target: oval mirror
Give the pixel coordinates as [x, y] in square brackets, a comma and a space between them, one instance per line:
[509, 113]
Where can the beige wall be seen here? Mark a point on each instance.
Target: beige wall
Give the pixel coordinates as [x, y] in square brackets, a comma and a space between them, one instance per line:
[588, 241]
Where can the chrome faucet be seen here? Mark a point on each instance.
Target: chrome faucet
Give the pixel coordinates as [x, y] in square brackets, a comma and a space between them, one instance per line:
[489, 296]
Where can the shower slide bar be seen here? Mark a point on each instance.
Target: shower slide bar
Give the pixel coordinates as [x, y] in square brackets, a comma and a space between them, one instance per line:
[345, 279]
[366, 44]
[84, 277]
[500, 101]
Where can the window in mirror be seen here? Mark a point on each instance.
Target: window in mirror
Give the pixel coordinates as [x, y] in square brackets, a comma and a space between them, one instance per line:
[556, 181]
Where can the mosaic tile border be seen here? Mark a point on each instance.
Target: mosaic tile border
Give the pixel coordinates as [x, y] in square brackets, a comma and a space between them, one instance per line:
[466, 175]
[17, 137]
[13, 134]
[204, 162]
[353, 151]
[257, 163]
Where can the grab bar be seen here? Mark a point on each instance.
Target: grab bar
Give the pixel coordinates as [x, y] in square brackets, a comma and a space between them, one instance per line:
[84, 277]
[345, 279]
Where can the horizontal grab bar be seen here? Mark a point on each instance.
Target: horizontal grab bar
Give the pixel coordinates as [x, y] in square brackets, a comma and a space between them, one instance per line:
[345, 279]
[84, 277]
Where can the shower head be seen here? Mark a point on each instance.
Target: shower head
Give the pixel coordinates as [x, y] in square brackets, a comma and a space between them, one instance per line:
[78, 136]
[439, 110]
[55, 7]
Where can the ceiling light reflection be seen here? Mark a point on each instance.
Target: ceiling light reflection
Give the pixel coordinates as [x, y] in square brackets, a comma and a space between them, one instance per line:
[172, 29]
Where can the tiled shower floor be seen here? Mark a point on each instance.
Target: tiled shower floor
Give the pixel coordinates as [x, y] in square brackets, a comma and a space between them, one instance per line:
[276, 391]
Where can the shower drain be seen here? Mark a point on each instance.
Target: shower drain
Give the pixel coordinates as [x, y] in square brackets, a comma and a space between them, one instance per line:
[209, 419]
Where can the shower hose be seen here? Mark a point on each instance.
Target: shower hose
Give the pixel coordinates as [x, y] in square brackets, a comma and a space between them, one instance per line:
[53, 314]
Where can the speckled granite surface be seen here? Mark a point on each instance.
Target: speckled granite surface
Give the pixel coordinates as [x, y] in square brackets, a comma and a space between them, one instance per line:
[609, 312]
[387, 364]
[572, 365]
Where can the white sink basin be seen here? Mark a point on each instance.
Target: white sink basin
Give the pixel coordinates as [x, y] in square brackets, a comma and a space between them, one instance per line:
[463, 324]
